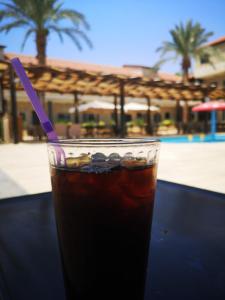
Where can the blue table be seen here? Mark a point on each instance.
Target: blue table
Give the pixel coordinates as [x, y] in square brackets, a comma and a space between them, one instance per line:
[187, 258]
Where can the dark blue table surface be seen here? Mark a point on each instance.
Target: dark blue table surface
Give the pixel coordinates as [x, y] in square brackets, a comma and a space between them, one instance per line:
[187, 259]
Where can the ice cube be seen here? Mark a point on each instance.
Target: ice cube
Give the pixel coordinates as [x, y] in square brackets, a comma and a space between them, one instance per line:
[131, 162]
[74, 162]
[114, 160]
[97, 167]
[100, 167]
[98, 157]
[128, 156]
[114, 157]
[127, 159]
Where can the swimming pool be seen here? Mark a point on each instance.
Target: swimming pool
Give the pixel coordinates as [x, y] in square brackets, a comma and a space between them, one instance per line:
[193, 139]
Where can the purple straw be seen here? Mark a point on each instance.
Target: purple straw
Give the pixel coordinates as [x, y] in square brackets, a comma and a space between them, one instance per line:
[44, 120]
[32, 95]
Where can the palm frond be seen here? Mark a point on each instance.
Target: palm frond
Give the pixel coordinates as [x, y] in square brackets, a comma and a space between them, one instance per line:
[162, 61]
[158, 64]
[72, 33]
[57, 30]
[83, 36]
[75, 17]
[72, 36]
[178, 40]
[167, 47]
[15, 24]
[14, 10]
[4, 14]
[27, 35]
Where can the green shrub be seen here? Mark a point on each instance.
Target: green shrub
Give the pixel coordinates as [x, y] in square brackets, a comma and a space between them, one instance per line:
[112, 123]
[167, 122]
[101, 124]
[62, 122]
[89, 125]
[139, 122]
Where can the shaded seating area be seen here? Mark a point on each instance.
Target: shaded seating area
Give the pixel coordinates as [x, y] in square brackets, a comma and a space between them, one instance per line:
[118, 86]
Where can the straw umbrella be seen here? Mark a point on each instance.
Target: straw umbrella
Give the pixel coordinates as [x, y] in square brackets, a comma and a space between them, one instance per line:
[132, 106]
[100, 106]
[94, 107]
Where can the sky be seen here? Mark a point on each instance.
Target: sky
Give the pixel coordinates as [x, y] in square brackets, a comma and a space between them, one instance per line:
[127, 31]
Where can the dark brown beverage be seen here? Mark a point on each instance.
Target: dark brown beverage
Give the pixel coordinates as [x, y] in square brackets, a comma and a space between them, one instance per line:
[104, 222]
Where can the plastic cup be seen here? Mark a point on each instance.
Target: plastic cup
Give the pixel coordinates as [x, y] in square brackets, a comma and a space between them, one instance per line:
[103, 197]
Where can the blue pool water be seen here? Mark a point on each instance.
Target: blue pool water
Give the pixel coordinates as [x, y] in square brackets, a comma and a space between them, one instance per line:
[193, 139]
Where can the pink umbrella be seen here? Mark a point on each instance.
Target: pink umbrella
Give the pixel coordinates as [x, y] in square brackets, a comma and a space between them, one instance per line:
[212, 106]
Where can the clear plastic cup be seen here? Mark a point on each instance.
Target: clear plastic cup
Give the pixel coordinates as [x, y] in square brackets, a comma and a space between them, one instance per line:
[103, 193]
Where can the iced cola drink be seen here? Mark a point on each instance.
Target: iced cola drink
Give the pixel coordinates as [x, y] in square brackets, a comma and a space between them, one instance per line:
[103, 205]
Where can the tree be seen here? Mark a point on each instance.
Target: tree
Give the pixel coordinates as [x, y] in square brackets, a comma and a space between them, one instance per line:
[187, 43]
[40, 18]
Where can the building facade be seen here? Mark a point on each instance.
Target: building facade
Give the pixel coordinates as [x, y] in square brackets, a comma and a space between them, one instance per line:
[212, 68]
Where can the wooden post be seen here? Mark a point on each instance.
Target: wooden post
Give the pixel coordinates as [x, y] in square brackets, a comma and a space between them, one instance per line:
[13, 106]
[122, 114]
[149, 121]
[178, 117]
[206, 99]
[50, 110]
[1, 96]
[185, 112]
[76, 112]
[41, 96]
[115, 113]
[1, 106]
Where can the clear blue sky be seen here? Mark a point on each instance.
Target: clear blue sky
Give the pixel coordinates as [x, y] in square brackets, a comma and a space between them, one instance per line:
[127, 31]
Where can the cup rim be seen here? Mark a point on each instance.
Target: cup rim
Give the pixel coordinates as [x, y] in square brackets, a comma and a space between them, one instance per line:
[104, 142]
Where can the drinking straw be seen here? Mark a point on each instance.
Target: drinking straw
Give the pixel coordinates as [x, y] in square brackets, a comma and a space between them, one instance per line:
[36, 103]
[45, 122]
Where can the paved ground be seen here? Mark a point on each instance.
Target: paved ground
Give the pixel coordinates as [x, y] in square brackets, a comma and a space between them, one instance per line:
[24, 167]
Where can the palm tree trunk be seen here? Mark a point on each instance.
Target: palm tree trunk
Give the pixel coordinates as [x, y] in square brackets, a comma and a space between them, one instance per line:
[185, 75]
[186, 64]
[185, 107]
[41, 39]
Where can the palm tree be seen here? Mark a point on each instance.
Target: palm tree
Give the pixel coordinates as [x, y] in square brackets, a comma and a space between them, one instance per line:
[40, 18]
[187, 42]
